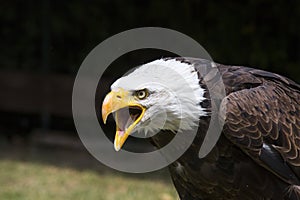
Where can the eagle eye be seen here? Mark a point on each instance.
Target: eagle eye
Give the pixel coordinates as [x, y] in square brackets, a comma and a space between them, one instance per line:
[141, 94]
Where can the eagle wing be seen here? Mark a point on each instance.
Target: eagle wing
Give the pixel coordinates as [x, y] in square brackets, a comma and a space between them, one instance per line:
[263, 119]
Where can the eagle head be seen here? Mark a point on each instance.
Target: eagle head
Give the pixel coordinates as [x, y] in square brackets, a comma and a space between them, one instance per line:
[164, 94]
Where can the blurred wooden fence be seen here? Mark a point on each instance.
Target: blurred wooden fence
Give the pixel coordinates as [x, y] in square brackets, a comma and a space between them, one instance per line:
[36, 93]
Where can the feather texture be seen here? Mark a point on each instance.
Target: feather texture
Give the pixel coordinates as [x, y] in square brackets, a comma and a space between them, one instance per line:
[258, 154]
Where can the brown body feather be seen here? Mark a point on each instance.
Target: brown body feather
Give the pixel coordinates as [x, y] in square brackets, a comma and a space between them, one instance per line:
[258, 154]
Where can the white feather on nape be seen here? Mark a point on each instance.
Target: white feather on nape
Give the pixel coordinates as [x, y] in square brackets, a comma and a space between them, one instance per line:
[293, 190]
[175, 86]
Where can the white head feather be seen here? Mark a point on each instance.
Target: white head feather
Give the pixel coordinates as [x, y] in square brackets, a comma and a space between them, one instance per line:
[175, 95]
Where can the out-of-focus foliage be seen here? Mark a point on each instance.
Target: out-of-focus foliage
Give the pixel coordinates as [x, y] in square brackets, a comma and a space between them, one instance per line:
[30, 180]
[57, 35]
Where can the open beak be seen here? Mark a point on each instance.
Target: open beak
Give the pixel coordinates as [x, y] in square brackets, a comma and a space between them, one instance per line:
[127, 112]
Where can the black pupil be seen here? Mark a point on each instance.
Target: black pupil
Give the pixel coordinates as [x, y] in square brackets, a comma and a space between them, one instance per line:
[141, 94]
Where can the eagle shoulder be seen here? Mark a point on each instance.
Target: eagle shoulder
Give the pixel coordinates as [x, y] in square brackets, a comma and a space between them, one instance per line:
[263, 119]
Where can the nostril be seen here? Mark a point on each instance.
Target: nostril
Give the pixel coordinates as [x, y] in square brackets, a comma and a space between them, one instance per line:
[119, 97]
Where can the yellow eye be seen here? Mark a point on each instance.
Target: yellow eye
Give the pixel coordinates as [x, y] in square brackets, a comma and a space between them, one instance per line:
[142, 94]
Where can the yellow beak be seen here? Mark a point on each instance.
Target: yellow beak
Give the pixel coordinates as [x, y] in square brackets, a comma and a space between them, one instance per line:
[122, 103]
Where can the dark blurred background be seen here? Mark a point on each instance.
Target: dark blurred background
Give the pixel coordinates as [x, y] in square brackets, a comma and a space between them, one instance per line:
[43, 44]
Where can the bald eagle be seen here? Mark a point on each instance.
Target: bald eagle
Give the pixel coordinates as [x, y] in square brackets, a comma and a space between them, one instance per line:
[257, 155]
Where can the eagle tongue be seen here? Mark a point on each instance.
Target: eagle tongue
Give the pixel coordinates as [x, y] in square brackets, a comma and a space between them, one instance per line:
[120, 133]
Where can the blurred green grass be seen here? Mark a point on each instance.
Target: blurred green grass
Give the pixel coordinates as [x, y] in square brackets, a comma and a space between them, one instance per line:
[21, 180]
